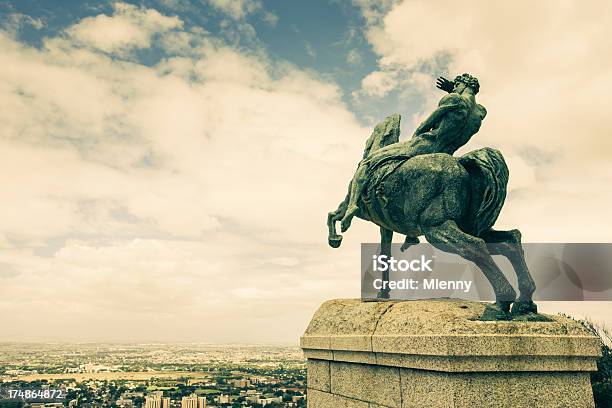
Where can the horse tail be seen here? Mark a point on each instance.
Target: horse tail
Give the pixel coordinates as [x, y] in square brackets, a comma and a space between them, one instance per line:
[490, 171]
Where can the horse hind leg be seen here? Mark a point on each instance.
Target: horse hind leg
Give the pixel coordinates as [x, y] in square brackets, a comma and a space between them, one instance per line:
[386, 239]
[508, 244]
[449, 237]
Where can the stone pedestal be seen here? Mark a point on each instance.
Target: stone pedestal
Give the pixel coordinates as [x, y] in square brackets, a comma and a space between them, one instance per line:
[434, 353]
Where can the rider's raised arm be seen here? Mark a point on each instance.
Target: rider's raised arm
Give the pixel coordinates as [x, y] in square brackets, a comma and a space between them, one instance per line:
[451, 102]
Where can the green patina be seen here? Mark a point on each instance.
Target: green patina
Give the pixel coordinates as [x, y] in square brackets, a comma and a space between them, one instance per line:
[418, 188]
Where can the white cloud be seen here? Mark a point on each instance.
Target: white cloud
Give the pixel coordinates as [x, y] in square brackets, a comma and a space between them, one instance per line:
[129, 27]
[374, 10]
[354, 57]
[237, 9]
[542, 73]
[378, 83]
[13, 22]
[139, 197]
[310, 49]
[270, 18]
[153, 197]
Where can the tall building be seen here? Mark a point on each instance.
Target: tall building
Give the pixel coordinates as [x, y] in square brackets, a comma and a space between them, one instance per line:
[157, 400]
[152, 401]
[193, 401]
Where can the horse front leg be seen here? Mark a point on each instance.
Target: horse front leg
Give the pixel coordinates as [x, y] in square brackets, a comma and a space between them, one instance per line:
[333, 238]
[386, 237]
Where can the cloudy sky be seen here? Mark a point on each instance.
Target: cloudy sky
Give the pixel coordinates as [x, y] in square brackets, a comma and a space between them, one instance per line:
[167, 165]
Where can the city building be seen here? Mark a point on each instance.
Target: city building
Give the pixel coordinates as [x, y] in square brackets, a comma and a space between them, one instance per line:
[124, 403]
[157, 400]
[240, 383]
[266, 401]
[193, 401]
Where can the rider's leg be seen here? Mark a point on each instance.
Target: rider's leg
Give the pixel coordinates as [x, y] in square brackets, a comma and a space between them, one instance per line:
[355, 191]
[361, 175]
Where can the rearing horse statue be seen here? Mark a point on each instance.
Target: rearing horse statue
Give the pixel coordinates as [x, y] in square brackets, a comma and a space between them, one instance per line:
[452, 201]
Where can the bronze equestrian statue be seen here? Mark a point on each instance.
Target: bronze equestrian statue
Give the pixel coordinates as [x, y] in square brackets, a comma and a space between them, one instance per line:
[416, 187]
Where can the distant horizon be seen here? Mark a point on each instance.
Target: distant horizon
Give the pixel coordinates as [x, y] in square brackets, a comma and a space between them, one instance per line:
[548, 307]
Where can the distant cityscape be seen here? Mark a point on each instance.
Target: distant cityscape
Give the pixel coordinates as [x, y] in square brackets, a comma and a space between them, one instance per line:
[151, 376]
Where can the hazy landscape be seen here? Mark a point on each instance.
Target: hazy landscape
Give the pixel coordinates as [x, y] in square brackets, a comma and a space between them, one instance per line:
[125, 375]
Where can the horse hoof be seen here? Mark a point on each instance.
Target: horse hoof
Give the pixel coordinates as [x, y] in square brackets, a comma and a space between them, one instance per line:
[383, 294]
[523, 307]
[495, 312]
[504, 305]
[334, 241]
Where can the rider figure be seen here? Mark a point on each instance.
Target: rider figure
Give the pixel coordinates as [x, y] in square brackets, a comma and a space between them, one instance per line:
[456, 119]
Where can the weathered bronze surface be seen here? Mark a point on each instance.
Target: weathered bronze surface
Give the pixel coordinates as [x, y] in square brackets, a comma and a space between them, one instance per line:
[417, 188]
